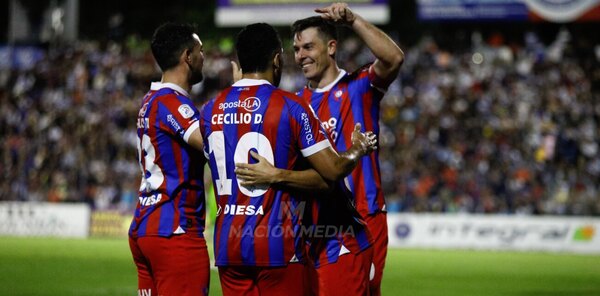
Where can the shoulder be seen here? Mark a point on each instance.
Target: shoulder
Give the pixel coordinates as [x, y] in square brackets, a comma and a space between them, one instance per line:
[219, 98]
[171, 97]
[207, 106]
[292, 100]
[304, 92]
[286, 95]
[365, 78]
[360, 73]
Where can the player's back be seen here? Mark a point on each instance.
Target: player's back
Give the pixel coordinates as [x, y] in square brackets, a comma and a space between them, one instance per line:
[257, 226]
[171, 195]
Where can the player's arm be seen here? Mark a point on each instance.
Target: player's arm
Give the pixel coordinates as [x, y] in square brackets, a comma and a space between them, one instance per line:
[182, 119]
[389, 55]
[327, 163]
[195, 139]
[264, 173]
[333, 166]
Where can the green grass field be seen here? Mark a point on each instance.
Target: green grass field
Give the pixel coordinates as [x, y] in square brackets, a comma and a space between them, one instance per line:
[41, 266]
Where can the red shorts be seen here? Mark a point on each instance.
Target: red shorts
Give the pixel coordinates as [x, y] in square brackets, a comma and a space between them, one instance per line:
[348, 276]
[263, 281]
[176, 265]
[377, 225]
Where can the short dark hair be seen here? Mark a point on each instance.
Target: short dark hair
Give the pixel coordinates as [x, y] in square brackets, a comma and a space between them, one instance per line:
[327, 30]
[256, 44]
[169, 41]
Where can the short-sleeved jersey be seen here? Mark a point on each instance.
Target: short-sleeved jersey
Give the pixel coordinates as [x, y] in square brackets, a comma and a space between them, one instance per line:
[257, 226]
[350, 99]
[171, 195]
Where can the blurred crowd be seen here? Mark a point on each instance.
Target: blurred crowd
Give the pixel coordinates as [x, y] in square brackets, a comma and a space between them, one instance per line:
[489, 127]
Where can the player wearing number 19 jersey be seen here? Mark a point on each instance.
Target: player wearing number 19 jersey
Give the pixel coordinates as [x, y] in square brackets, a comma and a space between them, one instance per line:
[166, 235]
[253, 226]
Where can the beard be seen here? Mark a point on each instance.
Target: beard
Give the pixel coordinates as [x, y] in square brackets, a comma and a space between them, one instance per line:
[196, 77]
[276, 77]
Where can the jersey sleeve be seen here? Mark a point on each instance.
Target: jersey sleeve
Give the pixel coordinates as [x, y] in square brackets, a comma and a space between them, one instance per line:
[205, 113]
[179, 115]
[375, 81]
[311, 136]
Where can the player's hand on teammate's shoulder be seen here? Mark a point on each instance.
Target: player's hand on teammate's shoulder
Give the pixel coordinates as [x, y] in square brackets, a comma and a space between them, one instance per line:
[367, 141]
[338, 12]
[258, 174]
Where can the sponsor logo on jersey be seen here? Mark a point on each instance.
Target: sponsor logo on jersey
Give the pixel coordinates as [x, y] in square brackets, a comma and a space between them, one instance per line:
[150, 200]
[249, 104]
[241, 210]
[186, 111]
[330, 126]
[173, 122]
[307, 128]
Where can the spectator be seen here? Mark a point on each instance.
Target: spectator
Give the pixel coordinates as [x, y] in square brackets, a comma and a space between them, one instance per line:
[496, 127]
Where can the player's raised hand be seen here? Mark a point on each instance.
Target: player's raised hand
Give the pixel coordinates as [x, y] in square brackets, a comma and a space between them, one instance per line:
[366, 141]
[259, 174]
[338, 12]
[236, 71]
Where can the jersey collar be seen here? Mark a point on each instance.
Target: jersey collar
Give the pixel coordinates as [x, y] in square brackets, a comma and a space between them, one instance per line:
[173, 86]
[330, 86]
[250, 82]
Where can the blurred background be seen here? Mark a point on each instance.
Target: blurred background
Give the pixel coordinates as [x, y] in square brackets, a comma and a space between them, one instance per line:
[495, 114]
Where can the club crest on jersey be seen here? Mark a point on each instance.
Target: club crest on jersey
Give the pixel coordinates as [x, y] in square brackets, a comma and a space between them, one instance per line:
[250, 104]
[185, 111]
[338, 94]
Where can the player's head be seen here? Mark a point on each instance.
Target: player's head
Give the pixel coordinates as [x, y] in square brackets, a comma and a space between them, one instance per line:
[178, 44]
[315, 45]
[259, 49]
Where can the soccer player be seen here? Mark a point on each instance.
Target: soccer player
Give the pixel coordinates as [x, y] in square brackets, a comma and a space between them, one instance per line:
[343, 99]
[166, 235]
[258, 248]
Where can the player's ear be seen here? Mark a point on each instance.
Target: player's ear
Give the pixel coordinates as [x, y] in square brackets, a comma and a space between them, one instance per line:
[331, 47]
[278, 60]
[186, 56]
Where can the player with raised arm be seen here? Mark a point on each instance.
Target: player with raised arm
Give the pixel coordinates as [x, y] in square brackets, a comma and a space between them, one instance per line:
[166, 235]
[258, 248]
[342, 100]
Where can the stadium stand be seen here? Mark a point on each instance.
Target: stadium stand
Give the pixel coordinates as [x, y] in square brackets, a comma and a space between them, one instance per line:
[490, 127]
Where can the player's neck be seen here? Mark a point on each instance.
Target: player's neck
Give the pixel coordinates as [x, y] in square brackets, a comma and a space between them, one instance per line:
[268, 76]
[329, 75]
[176, 78]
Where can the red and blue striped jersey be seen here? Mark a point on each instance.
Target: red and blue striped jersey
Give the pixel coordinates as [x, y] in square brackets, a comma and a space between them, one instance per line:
[171, 195]
[257, 226]
[337, 227]
[353, 98]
